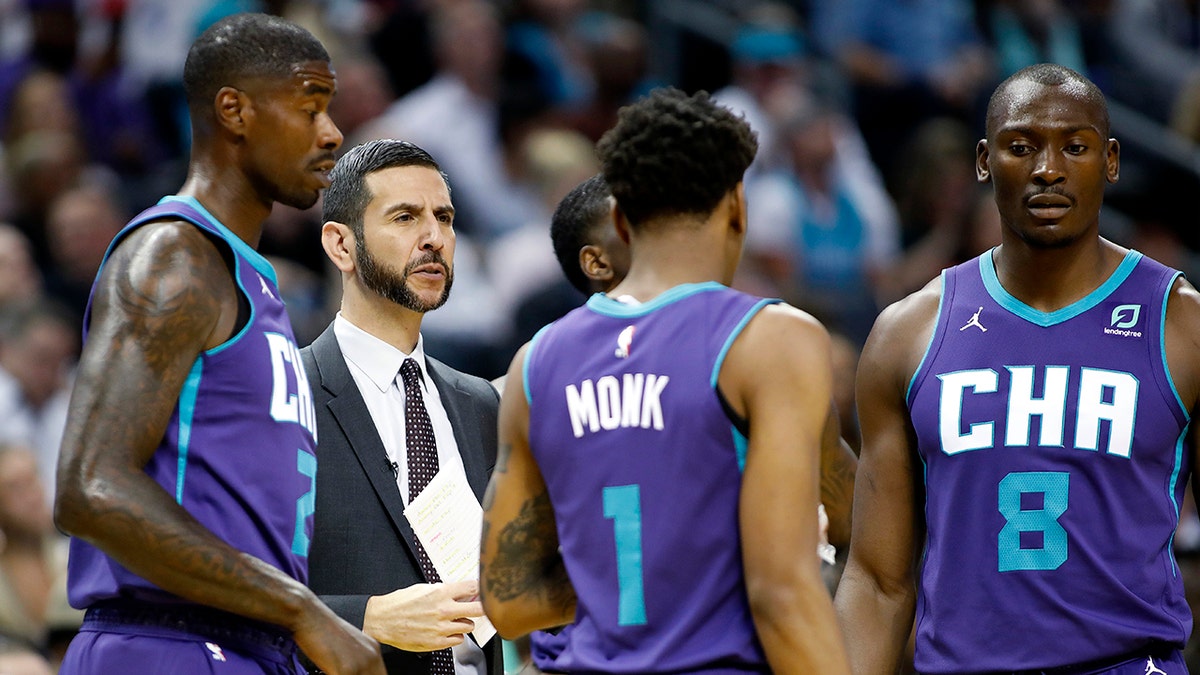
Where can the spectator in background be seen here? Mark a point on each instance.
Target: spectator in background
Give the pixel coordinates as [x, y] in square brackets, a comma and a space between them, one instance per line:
[1025, 32]
[769, 73]
[80, 223]
[811, 231]
[1156, 64]
[363, 93]
[936, 192]
[33, 558]
[456, 117]
[54, 34]
[910, 61]
[544, 52]
[18, 658]
[39, 345]
[616, 50]
[20, 278]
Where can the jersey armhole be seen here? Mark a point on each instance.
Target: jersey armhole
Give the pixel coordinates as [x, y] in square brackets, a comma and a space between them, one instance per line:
[934, 337]
[525, 367]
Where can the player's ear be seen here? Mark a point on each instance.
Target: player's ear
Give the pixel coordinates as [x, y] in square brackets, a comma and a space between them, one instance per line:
[232, 109]
[737, 208]
[339, 243]
[983, 173]
[595, 264]
[1112, 160]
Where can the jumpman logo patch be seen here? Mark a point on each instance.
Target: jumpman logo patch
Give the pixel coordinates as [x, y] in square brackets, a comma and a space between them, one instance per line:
[1151, 668]
[974, 322]
[265, 288]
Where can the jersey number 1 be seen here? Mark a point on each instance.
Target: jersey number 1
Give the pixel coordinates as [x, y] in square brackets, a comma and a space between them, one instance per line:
[623, 504]
[1054, 486]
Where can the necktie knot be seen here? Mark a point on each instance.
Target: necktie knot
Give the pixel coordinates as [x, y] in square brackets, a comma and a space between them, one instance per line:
[410, 374]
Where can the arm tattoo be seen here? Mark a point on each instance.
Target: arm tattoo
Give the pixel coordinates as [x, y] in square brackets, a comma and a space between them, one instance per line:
[527, 561]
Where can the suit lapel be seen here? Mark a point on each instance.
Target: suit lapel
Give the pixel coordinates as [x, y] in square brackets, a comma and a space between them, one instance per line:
[460, 408]
[354, 420]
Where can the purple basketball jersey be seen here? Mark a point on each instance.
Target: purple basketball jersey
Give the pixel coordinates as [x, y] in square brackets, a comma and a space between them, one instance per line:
[1055, 458]
[239, 451]
[643, 466]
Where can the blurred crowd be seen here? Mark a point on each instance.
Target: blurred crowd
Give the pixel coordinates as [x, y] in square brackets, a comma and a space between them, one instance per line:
[867, 114]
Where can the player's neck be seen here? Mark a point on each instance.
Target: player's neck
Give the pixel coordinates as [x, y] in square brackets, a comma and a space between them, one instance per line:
[232, 202]
[664, 260]
[1048, 279]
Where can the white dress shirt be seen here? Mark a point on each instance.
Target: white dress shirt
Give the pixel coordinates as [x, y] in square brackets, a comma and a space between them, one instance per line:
[375, 367]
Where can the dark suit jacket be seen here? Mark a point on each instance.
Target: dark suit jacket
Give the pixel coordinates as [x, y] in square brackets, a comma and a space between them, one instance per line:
[362, 545]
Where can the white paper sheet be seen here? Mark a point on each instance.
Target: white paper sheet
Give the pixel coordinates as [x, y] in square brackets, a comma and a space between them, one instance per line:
[448, 520]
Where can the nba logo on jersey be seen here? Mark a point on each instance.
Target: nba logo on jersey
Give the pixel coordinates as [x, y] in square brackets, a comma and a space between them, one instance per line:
[625, 342]
[217, 653]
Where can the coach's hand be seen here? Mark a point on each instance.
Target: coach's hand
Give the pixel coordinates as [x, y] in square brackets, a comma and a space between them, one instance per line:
[424, 617]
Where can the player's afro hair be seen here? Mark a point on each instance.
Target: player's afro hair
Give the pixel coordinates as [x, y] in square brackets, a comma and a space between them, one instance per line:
[674, 154]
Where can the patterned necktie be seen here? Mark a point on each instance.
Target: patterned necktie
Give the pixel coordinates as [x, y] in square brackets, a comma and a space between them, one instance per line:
[422, 467]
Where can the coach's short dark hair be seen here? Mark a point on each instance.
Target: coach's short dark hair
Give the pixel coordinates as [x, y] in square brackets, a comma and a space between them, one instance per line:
[574, 225]
[347, 196]
[244, 46]
[674, 154]
[1051, 75]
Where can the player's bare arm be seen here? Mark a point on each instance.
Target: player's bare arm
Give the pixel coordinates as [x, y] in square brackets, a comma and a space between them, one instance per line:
[778, 375]
[523, 582]
[838, 465]
[1182, 343]
[876, 599]
[165, 295]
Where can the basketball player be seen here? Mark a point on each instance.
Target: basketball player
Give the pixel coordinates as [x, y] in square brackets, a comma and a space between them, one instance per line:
[687, 543]
[187, 468]
[594, 260]
[1025, 424]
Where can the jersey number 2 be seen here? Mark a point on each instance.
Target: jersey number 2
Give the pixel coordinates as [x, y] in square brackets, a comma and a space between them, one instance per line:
[1054, 486]
[623, 504]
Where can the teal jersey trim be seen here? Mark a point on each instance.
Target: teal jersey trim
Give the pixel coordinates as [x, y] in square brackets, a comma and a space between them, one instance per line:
[741, 446]
[987, 267]
[937, 320]
[602, 304]
[1183, 435]
[1162, 347]
[733, 335]
[243, 249]
[187, 411]
[528, 358]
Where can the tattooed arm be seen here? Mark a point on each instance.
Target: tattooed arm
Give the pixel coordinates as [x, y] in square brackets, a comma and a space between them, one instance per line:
[523, 582]
[165, 295]
[838, 465]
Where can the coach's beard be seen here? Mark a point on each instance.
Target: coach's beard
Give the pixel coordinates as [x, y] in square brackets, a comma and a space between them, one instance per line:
[387, 282]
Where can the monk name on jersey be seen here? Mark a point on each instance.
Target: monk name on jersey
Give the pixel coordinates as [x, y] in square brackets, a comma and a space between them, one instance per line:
[635, 400]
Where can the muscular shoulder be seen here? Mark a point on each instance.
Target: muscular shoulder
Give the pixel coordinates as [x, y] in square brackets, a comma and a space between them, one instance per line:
[901, 332]
[781, 347]
[171, 275]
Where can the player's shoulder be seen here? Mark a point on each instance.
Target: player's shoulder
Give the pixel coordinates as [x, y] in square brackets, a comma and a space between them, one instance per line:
[1183, 302]
[779, 334]
[911, 314]
[901, 333]
[170, 240]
